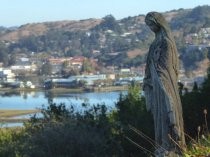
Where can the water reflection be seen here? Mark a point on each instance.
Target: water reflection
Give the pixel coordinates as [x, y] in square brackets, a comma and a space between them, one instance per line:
[34, 100]
[8, 125]
[37, 100]
[23, 94]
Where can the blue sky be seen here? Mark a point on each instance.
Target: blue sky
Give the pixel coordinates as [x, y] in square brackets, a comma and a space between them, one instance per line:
[18, 12]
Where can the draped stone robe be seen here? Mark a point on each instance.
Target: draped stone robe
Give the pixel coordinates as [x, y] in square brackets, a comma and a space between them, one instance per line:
[161, 92]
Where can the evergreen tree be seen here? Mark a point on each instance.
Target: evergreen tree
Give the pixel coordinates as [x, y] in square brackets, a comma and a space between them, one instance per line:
[46, 69]
[131, 113]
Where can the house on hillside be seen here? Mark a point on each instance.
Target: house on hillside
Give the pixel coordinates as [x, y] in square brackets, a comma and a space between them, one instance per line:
[23, 64]
[60, 61]
[7, 75]
[70, 62]
[125, 71]
[77, 61]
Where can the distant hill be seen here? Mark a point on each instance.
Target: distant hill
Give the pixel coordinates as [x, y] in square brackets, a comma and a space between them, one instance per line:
[38, 29]
[111, 41]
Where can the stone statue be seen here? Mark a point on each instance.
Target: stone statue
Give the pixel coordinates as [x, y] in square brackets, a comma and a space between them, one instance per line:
[161, 88]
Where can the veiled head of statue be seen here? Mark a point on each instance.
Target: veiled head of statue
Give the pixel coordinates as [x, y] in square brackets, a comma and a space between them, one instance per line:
[155, 19]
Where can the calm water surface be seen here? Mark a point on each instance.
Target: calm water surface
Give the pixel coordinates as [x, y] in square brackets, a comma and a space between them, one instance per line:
[34, 100]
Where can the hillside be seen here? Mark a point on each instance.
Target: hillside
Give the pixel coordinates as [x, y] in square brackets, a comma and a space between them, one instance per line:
[38, 29]
[111, 41]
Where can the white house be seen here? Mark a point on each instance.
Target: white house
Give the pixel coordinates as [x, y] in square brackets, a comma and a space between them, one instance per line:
[6, 74]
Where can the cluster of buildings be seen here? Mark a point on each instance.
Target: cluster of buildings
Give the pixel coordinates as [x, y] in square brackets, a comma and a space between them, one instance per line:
[91, 81]
[18, 75]
[200, 38]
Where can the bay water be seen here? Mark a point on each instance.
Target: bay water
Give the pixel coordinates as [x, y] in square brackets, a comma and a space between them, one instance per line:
[37, 100]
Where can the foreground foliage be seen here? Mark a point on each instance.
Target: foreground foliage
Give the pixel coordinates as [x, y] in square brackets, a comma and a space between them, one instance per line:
[131, 115]
[199, 148]
[125, 132]
[62, 132]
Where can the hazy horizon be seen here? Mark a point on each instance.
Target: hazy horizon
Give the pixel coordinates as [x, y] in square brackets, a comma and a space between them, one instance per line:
[20, 12]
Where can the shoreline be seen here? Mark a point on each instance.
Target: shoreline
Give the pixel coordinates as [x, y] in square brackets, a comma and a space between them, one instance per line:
[63, 90]
[13, 113]
[12, 116]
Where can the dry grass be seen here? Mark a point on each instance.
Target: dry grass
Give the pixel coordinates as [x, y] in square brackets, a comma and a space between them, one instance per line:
[13, 113]
[136, 52]
[39, 29]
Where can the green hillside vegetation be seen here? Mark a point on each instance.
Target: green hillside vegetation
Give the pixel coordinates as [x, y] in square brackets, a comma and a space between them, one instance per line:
[110, 37]
[190, 21]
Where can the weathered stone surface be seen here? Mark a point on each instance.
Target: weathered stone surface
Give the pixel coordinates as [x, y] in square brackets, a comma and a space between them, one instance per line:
[161, 88]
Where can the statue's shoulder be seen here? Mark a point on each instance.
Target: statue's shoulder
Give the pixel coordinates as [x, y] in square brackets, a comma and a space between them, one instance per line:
[166, 42]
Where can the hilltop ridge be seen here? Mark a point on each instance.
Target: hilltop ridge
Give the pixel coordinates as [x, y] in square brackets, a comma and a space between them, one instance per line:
[38, 29]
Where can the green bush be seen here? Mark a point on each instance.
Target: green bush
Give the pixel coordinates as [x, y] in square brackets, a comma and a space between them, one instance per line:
[132, 117]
